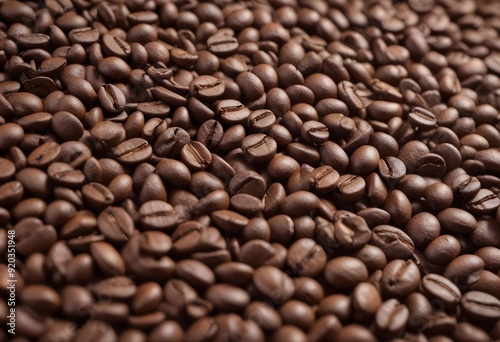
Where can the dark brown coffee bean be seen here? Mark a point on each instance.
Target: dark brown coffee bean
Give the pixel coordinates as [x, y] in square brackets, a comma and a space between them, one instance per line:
[258, 147]
[464, 270]
[206, 88]
[457, 220]
[210, 133]
[480, 305]
[273, 283]
[67, 126]
[299, 203]
[107, 258]
[116, 224]
[393, 241]
[391, 318]
[345, 272]
[306, 258]
[484, 202]
[97, 195]
[133, 151]
[391, 169]
[44, 154]
[229, 221]
[439, 288]
[111, 98]
[350, 188]
[400, 278]
[351, 232]
[422, 118]
[196, 156]
[157, 215]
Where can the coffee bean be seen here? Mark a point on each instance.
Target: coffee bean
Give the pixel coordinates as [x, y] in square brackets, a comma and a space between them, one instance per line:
[196, 156]
[393, 241]
[421, 118]
[345, 272]
[258, 147]
[273, 284]
[133, 151]
[222, 46]
[306, 258]
[111, 98]
[400, 278]
[351, 232]
[206, 88]
[156, 214]
[116, 224]
[439, 288]
[480, 305]
[484, 202]
[391, 169]
[464, 270]
[350, 188]
[391, 318]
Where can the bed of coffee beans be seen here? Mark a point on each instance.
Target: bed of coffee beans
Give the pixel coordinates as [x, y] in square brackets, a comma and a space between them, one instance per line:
[282, 170]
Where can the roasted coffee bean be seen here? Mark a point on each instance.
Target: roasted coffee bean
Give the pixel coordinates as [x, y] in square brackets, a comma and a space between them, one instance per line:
[391, 318]
[206, 88]
[393, 241]
[352, 232]
[111, 98]
[480, 305]
[400, 278]
[273, 283]
[196, 156]
[116, 224]
[306, 258]
[133, 151]
[159, 215]
[345, 272]
[258, 147]
[464, 270]
[439, 288]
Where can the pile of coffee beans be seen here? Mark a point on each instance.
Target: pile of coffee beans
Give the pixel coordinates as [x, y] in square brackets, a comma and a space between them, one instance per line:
[281, 170]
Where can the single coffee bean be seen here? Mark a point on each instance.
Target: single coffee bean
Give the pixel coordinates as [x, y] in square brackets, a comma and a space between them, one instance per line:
[423, 228]
[484, 202]
[391, 169]
[158, 215]
[273, 283]
[391, 318]
[464, 270]
[306, 257]
[232, 111]
[422, 118]
[393, 241]
[44, 154]
[65, 175]
[222, 46]
[116, 224]
[229, 221]
[400, 278]
[97, 195]
[206, 88]
[133, 151]
[107, 258]
[345, 272]
[352, 232]
[196, 156]
[457, 220]
[210, 133]
[258, 147]
[350, 188]
[299, 203]
[111, 98]
[480, 305]
[437, 287]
